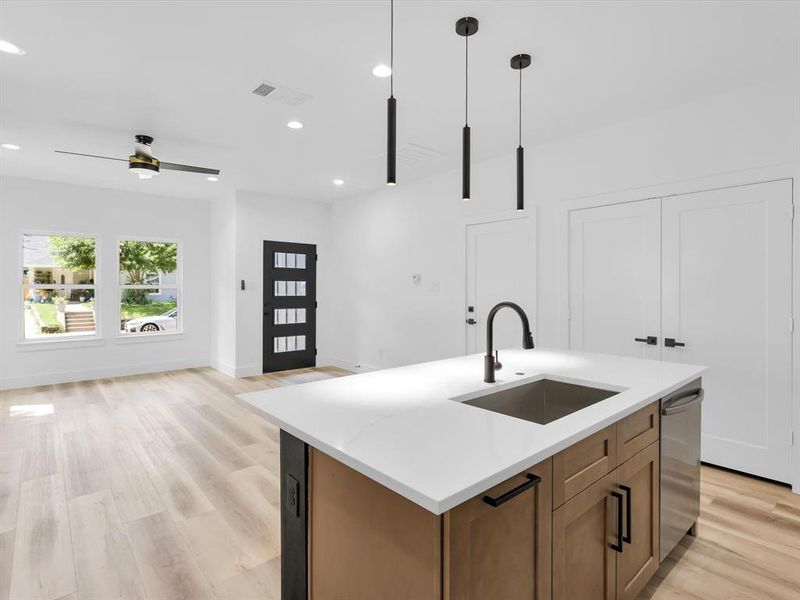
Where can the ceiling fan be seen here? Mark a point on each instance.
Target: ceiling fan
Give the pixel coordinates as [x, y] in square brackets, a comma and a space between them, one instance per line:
[144, 164]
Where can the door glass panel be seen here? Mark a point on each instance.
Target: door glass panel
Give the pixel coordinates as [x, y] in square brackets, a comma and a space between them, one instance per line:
[301, 288]
[301, 261]
[290, 341]
[290, 288]
[300, 343]
[280, 288]
[280, 316]
[280, 259]
[290, 261]
[301, 315]
[291, 315]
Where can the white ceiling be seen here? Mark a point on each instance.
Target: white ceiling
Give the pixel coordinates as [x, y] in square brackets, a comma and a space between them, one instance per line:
[97, 73]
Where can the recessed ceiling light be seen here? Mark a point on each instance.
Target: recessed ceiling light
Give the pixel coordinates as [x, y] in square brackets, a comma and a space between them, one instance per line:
[10, 48]
[338, 182]
[11, 147]
[294, 125]
[382, 71]
[212, 178]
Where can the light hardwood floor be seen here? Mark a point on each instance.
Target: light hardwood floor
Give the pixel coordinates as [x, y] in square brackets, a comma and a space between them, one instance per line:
[164, 487]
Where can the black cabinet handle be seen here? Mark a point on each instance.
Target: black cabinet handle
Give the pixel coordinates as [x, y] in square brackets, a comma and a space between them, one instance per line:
[471, 321]
[650, 340]
[618, 546]
[533, 481]
[671, 343]
[628, 501]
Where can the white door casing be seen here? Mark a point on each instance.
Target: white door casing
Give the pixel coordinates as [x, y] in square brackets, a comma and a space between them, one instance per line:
[727, 277]
[500, 267]
[615, 278]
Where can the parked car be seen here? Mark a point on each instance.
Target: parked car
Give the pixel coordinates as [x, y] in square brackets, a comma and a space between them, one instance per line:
[167, 321]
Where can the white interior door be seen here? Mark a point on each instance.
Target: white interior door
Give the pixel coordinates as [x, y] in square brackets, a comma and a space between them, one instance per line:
[615, 279]
[727, 296]
[500, 267]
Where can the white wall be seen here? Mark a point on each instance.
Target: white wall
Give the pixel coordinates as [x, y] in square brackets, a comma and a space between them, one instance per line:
[258, 218]
[223, 286]
[382, 319]
[27, 204]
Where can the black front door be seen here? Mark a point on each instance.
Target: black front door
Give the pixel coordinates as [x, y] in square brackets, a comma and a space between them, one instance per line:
[290, 302]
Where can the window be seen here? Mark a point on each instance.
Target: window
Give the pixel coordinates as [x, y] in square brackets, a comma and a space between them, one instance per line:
[58, 286]
[149, 287]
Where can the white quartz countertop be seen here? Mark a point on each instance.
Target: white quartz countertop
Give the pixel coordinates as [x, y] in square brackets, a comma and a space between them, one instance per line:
[402, 428]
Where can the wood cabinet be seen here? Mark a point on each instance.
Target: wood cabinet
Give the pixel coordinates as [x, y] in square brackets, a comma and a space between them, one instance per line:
[608, 534]
[637, 431]
[583, 463]
[501, 551]
[640, 557]
[584, 565]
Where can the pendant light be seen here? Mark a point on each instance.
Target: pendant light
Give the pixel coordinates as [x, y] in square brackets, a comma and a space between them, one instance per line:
[466, 27]
[519, 62]
[391, 106]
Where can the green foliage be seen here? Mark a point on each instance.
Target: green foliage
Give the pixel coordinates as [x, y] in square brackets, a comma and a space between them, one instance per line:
[73, 253]
[137, 259]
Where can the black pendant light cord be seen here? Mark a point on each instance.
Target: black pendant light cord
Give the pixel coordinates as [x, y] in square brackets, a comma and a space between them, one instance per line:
[520, 107]
[391, 49]
[466, 80]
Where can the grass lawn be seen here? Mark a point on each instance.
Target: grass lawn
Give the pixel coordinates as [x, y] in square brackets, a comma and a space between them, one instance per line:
[47, 312]
[133, 311]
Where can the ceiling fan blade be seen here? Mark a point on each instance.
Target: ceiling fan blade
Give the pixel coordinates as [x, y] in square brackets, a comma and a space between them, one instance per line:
[91, 155]
[176, 167]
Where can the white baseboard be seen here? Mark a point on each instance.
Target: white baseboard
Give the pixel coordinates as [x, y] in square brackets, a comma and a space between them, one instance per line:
[224, 368]
[8, 383]
[249, 371]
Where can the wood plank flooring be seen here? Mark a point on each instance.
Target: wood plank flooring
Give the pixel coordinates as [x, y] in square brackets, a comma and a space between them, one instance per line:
[161, 487]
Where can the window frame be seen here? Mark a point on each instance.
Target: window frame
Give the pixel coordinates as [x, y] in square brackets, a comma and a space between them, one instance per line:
[64, 339]
[120, 336]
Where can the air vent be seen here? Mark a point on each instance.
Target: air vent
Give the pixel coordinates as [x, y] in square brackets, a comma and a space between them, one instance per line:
[410, 154]
[282, 94]
[264, 89]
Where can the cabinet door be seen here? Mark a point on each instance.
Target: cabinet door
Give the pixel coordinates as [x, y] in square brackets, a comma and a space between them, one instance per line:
[584, 564]
[615, 278]
[501, 551]
[639, 480]
[728, 297]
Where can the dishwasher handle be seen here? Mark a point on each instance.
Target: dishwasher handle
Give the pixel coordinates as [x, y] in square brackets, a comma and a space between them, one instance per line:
[682, 402]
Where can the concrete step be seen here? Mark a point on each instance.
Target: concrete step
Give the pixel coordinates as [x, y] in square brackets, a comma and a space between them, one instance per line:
[74, 328]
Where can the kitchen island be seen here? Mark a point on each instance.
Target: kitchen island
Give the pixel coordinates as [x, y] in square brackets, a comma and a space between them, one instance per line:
[407, 483]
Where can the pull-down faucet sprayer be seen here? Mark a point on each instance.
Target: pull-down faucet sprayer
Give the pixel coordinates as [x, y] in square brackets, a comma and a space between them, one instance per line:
[489, 363]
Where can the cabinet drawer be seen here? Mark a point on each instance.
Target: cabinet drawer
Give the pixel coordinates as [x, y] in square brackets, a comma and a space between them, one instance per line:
[583, 463]
[637, 431]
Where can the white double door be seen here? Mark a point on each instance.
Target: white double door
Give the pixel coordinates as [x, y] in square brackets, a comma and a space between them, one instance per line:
[711, 271]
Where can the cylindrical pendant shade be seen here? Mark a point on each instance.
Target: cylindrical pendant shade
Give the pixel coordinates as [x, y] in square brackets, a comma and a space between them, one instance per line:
[465, 164]
[391, 151]
[520, 178]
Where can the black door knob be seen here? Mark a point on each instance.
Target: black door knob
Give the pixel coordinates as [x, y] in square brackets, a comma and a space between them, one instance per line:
[650, 340]
[471, 321]
[671, 343]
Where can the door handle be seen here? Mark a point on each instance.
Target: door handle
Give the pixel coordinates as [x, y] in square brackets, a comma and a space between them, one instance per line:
[650, 340]
[618, 546]
[533, 480]
[471, 321]
[628, 501]
[671, 343]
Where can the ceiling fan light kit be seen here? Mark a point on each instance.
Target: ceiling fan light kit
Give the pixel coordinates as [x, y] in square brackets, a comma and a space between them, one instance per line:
[142, 162]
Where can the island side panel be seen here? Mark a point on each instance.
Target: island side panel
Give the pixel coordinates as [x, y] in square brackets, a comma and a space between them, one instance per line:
[366, 541]
[294, 517]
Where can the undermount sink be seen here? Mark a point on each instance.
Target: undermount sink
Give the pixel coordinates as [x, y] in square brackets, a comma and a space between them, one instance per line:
[542, 401]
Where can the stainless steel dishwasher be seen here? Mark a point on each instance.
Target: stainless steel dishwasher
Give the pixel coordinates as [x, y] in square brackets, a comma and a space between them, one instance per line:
[680, 464]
